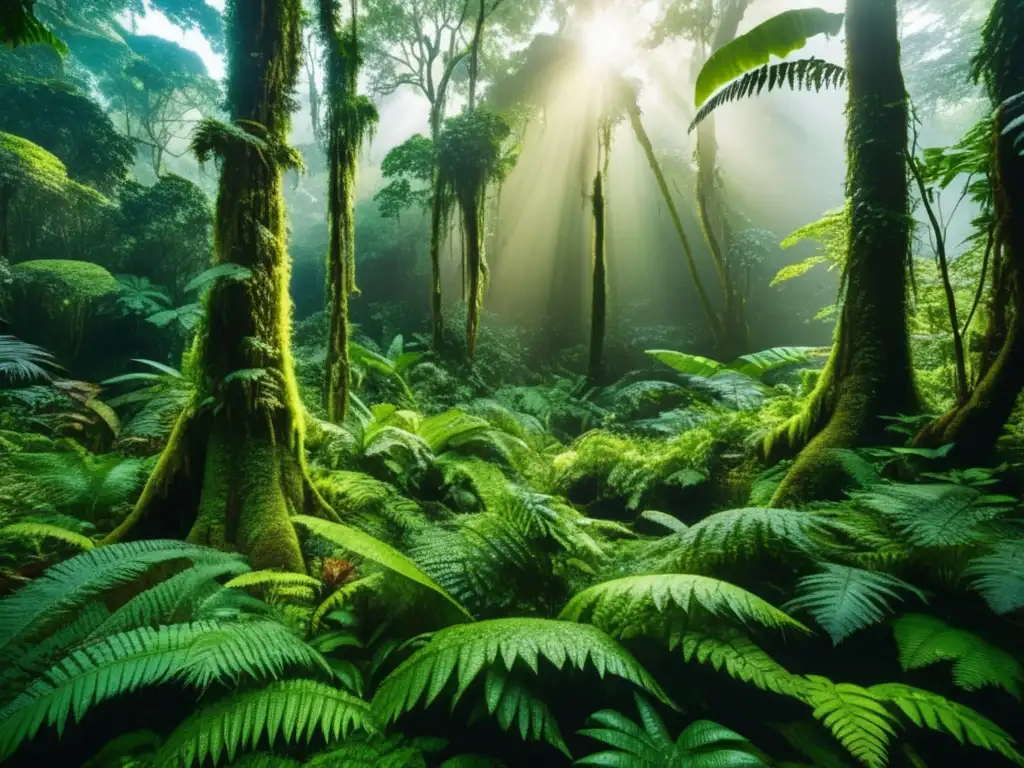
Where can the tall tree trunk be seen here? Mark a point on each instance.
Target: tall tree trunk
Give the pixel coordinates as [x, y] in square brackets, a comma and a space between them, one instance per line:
[599, 282]
[733, 333]
[234, 471]
[869, 374]
[636, 122]
[974, 427]
[348, 122]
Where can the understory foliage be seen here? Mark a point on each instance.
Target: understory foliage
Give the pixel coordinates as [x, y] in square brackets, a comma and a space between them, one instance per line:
[498, 561]
[487, 565]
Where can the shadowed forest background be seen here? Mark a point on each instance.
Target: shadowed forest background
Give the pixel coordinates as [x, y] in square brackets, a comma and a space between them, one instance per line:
[475, 383]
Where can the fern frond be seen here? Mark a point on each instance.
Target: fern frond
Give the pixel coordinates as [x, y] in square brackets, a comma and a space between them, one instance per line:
[924, 640]
[934, 515]
[68, 585]
[376, 550]
[855, 715]
[293, 710]
[483, 561]
[198, 653]
[172, 601]
[999, 576]
[843, 599]
[798, 75]
[740, 658]
[464, 650]
[274, 579]
[930, 710]
[635, 605]
[33, 531]
[512, 702]
[736, 534]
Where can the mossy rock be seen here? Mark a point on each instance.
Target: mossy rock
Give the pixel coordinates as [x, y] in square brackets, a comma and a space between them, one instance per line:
[51, 301]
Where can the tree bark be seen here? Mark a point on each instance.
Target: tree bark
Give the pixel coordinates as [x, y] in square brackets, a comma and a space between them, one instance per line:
[869, 373]
[974, 427]
[599, 280]
[234, 471]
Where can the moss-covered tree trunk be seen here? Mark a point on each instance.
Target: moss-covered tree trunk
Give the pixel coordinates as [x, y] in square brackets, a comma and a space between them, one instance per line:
[349, 120]
[475, 261]
[869, 374]
[975, 426]
[233, 471]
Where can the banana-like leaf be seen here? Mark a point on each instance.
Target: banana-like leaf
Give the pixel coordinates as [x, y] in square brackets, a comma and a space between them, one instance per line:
[779, 36]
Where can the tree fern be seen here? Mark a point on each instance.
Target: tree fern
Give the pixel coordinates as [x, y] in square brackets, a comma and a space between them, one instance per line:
[464, 650]
[843, 599]
[798, 75]
[999, 576]
[702, 744]
[197, 653]
[292, 710]
[924, 640]
[739, 657]
[930, 710]
[373, 549]
[856, 717]
[636, 605]
[68, 585]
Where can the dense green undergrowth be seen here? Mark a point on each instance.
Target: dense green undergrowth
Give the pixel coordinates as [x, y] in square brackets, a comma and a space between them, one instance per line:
[545, 572]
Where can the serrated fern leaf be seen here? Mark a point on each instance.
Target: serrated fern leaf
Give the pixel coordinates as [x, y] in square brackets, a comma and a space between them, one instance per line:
[843, 599]
[293, 710]
[274, 579]
[929, 710]
[198, 653]
[934, 515]
[636, 605]
[171, 601]
[798, 75]
[691, 365]
[33, 531]
[855, 715]
[376, 550]
[513, 704]
[743, 533]
[740, 658]
[464, 650]
[758, 364]
[999, 576]
[924, 640]
[70, 584]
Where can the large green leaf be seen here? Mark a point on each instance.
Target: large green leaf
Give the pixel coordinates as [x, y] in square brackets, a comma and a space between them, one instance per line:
[779, 36]
[376, 550]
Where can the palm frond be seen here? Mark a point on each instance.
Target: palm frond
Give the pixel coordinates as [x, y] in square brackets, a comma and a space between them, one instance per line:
[24, 363]
[843, 599]
[798, 75]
